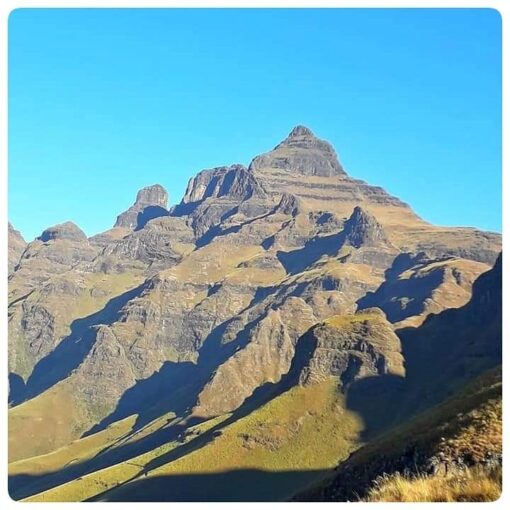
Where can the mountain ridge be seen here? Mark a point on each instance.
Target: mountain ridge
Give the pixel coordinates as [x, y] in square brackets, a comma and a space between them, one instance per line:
[258, 288]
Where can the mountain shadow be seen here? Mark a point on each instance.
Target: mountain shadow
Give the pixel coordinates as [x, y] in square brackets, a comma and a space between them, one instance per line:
[180, 382]
[391, 294]
[454, 346]
[444, 353]
[243, 485]
[219, 231]
[303, 352]
[173, 380]
[72, 350]
[17, 389]
[22, 486]
[149, 213]
[297, 261]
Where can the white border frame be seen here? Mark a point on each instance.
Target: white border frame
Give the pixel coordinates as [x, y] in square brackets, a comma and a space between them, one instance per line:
[6, 6]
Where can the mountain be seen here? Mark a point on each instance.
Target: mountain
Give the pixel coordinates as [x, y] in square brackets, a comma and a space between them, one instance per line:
[151, 202]
[246, 330]
[16, 247]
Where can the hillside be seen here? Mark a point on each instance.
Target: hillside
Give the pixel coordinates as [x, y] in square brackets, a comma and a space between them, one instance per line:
[277, 319]
[447, 453]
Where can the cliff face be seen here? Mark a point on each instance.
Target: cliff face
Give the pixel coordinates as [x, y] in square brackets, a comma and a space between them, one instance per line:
[288, 274]
[151, 202]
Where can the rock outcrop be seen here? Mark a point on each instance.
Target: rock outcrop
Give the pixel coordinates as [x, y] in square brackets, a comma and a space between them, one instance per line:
[290, 205]
[56, 250]
[151, 202]
[353, 347]
[417, 286]
[233, 181]
[362, 229]
[265, 359]
[163, 241]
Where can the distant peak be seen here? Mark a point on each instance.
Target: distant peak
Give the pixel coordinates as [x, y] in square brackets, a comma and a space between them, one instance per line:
[301, 131]
[64, 231]
[151, 202]
[152, 195]
[359, 214]
[303, 153]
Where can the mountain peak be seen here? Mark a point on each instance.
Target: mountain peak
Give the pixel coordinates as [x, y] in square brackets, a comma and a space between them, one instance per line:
[151, 202]
[303, 153]
[301, 130]
[155, 195]
[66, 231]
[289, 204]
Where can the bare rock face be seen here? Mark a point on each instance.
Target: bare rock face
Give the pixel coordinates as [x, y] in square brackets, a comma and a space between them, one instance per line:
[289, 204]
[151, 202]
[303, 153]
[360, 240]
[362, 229]
[17, 246]
[109, 237]
[364, 241]
[353, 347]
[266, 358]
[234, 181]
[162, 241]
[107, 356]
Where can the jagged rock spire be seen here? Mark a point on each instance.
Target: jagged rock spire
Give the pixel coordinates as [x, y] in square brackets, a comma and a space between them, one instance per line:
[362, 229]
[151, 202]
[233, 181]
[289, 204]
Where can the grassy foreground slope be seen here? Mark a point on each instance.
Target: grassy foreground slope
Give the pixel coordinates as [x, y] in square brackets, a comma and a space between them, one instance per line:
[473, 485]
[288, 442]
[451, 452]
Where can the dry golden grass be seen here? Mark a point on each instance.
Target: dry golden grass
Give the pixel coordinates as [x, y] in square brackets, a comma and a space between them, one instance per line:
[475, 484]
[306, 428]
[43, 424]
[76, 451]
[211, 263]
[90, 485]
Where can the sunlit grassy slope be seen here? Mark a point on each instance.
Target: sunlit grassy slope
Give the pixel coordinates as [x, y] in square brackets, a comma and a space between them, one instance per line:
[301, 432]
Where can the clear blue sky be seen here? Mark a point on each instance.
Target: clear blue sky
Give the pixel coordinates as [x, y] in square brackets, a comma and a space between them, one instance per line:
[103, 102]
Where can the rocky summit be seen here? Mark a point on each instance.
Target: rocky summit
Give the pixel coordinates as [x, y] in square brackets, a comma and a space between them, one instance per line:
[151, 202]
[246, 342]
[302, 153]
